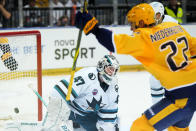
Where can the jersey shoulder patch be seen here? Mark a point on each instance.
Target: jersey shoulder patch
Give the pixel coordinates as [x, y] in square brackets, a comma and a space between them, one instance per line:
[116, 88]
[91, 76]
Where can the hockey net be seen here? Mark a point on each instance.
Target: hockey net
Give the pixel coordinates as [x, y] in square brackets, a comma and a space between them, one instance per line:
[20, 65]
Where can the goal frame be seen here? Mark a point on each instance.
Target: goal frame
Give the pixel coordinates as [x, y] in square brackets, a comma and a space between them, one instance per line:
[39, 61]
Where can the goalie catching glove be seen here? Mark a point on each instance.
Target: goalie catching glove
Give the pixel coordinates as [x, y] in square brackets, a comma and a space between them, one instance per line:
[56, 118]
[86, 22]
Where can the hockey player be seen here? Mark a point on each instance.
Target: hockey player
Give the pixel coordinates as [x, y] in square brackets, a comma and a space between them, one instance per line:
[159, 13]
[157, 90]
[94, 97]
[165, 50]
[93, 103]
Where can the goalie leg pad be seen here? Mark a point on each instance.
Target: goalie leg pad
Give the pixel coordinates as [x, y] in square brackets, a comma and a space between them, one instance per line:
[22, 126]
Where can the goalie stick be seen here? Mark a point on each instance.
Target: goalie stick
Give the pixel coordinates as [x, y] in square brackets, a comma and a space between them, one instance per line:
[75, 57]
[37, 94]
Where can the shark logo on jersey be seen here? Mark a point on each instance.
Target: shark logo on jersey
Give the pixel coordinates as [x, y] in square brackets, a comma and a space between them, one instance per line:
[94, 104]
[90, 108]
[91, 76]
[102, 105]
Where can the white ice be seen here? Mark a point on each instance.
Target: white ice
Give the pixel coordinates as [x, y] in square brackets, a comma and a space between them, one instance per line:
[133, 101]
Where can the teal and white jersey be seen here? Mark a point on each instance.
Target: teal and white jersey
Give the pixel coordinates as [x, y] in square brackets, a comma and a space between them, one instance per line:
[89, 95]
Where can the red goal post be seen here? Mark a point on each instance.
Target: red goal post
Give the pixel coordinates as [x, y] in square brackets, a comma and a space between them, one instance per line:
[14, 37]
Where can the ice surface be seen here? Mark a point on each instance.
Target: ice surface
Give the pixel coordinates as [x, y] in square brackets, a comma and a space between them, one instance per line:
[133, 101]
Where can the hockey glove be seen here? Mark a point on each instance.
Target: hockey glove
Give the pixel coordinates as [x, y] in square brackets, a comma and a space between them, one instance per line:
[86, 22]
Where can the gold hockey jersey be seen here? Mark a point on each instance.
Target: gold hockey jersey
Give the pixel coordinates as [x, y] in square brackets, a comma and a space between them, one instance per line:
[165, 51]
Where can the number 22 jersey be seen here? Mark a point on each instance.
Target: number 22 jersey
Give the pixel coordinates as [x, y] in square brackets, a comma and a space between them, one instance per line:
[165, 51]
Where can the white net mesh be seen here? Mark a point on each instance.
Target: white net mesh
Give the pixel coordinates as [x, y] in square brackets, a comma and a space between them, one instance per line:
[18, 68]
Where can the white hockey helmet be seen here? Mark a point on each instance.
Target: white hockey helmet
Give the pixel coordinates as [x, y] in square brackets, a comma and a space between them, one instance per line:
[108, 67]
[158, 8]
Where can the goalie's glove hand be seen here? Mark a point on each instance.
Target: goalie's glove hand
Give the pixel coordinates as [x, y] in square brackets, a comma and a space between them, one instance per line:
[86, 22]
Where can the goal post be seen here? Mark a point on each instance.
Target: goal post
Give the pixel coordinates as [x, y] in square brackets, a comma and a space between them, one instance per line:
[26, 52]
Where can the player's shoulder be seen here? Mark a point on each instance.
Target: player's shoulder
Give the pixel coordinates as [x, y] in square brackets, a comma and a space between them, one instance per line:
[88, 73]
[166, 25]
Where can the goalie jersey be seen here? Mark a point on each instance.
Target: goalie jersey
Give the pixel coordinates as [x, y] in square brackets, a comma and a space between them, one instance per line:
[90, 96]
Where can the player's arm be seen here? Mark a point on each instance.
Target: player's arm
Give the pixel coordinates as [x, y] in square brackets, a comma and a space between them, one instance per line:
[61, 89]
[90, 25]
[80, 83]
[121, 44]
[108, 120]
[105, 38]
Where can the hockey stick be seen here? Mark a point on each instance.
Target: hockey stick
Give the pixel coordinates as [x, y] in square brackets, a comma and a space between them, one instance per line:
[5, 118]
[75, 57]
[37, 94]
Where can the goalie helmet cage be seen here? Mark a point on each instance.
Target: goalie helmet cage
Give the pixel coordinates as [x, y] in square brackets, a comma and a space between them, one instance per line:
[38, 71]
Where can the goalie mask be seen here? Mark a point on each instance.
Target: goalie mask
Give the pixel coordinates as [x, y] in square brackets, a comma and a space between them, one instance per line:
[108, 67]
